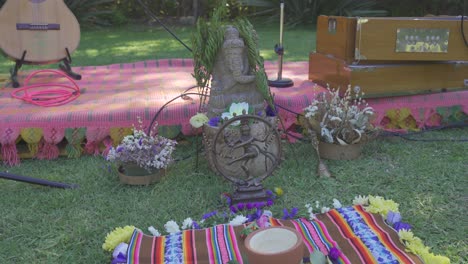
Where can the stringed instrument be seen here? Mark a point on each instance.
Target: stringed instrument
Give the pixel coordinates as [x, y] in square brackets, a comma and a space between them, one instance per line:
[38, 31]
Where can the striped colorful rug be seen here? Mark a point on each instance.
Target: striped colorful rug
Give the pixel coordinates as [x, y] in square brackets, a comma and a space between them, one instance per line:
[113, 96]
[362, 237]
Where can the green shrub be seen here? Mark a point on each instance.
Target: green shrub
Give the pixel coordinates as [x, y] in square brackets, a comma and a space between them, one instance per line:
[91, 11]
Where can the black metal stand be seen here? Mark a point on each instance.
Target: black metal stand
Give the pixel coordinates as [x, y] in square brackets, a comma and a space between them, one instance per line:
[64, 66]
[280, 82]
[42, 182]
[14, 71]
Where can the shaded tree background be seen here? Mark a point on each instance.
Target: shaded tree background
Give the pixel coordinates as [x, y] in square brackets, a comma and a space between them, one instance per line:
[297, 12]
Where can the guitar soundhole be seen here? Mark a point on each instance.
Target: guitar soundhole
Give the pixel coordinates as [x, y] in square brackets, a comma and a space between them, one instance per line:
[36, 1]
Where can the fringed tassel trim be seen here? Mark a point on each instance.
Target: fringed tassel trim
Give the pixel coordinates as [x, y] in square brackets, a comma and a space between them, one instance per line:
[48, 151]
[33, 149]
[74, 150]
[92, 148]
[32, 136]
[10, 155]
[108, 145]
[74, 136]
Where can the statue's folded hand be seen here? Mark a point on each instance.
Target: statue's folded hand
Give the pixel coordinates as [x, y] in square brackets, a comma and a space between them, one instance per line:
[244, 78]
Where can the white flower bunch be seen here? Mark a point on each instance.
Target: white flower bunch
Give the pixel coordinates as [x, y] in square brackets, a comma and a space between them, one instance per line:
[310, 210]
[172, 227]
[236, 109]
[340, 119]
[361, 200]
[238, 220]
[147, 151]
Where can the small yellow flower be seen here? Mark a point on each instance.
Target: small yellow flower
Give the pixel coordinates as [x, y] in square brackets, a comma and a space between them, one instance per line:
[435, 259]
[379, 205]
[118, 236]
[278, 191]
[406, 235]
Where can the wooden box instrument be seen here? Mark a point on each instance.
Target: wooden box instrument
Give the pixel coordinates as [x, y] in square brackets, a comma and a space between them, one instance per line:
[363, 40]
[377, 80]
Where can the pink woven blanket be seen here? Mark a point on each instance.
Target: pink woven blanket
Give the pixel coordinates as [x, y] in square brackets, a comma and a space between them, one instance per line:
[113, 96]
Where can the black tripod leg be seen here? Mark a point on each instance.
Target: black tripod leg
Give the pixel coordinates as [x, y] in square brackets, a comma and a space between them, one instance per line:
[65, 66]
[14, 71]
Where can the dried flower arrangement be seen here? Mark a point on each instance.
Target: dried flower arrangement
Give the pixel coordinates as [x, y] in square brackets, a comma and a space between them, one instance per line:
[340, 119]
[148, 151]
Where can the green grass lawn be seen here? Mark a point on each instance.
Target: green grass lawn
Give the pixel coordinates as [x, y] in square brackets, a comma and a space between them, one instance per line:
[136, 43]
[43, 225]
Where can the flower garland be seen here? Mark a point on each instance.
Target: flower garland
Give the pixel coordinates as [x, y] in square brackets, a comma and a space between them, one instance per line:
[389, 210]
[257, 216]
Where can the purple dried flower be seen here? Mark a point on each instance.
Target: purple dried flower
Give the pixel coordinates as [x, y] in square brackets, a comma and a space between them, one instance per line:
[210, 214]
[401, 225]
[214, 121]
[254, 216]
[270, 111]
[250, 217]
[121, 258]
[119, 149]
[249, 206]
[393, 217]
[259, 213]
[269, 203]
[334, 253]
[271, 194]
[285, 214]
[195, 225]
[233, 209]
[240, 206]
[227, 197]
[293, 213]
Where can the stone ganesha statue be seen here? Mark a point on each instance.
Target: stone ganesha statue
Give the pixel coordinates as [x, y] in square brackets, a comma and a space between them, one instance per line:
[232, 78]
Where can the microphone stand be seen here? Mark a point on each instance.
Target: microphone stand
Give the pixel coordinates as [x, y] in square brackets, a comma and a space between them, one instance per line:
[280, 82]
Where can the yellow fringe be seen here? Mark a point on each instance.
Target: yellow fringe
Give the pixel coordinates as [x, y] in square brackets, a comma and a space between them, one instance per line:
[4, 79]
[401, 119]
[118, 133]
[32, 136]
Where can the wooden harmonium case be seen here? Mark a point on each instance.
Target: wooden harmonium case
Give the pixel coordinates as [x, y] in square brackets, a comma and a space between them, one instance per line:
[367, 40]
[378, 80]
